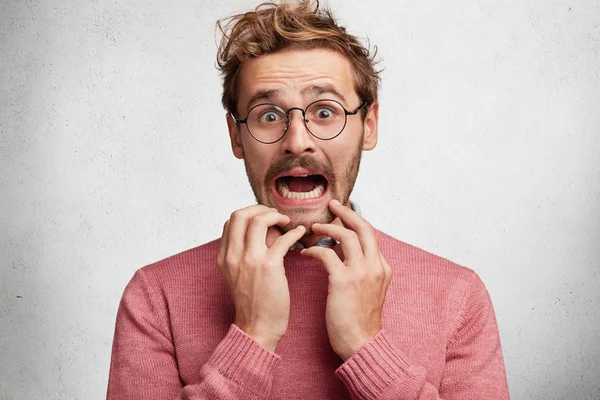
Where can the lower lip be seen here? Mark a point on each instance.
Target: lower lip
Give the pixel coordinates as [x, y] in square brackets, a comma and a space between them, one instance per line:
[288, 202]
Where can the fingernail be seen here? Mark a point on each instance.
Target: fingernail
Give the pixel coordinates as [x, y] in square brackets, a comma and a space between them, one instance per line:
[336, 202]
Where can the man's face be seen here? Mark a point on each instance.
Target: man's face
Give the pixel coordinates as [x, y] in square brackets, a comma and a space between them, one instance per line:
[300, 173]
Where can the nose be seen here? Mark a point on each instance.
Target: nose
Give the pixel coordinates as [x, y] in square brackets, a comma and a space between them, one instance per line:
[297, 140]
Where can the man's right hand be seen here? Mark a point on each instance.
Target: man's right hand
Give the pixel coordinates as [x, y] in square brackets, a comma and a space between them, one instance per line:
[251, 262]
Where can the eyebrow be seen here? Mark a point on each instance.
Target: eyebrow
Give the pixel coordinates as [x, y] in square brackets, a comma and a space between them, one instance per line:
[314, 90]
[264, 95]
[317, 90]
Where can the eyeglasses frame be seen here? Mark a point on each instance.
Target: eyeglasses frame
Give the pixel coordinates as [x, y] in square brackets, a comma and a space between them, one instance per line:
[303, 111]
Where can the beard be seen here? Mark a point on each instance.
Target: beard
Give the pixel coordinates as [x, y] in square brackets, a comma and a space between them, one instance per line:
[340, 185]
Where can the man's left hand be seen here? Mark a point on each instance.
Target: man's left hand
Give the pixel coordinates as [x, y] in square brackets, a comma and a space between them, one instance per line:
[358, 280]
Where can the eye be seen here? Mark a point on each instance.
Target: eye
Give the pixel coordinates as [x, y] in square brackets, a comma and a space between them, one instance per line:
[270, 116]
[324, 113]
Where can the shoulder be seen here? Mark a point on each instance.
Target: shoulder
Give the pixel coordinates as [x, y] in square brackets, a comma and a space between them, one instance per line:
[189, 277]
[431, 282]
[183, 269]
[187, 260]
[417, 264]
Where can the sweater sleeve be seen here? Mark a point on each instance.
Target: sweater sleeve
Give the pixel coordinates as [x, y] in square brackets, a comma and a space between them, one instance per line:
[144, 364]
[474, 363]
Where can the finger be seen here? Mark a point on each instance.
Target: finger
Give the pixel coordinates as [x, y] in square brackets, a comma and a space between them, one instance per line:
[257, 228]
[223, 245]
[328, 258]
[338, 250]
[348, 239]
[272, 234]
[238, 227]
[287, 240]
[365, 231]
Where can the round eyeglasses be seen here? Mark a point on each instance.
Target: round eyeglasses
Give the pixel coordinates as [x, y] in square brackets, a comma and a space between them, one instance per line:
[324, 119]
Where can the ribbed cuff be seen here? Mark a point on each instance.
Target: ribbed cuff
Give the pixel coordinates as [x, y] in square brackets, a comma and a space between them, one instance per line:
[241, 359]
[379, 371]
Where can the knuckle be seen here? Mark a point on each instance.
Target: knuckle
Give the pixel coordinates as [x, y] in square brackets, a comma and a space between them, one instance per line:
[230, 261]
[236, 215]
[257, 219]
[351, 235]
[370, 229]
[379, 274]
[388, 270]
[249, 260]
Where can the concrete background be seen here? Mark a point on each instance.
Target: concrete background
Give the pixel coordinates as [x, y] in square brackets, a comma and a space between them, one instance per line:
[114, 154]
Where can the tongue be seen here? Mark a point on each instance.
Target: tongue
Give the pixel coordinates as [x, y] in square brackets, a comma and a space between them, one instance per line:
[301, 184]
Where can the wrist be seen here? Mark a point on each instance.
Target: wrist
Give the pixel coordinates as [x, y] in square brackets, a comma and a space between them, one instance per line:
[268, 343]
[267, 340]
[347, 347]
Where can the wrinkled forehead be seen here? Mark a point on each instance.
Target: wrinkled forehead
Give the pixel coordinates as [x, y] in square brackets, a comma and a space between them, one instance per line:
[296, 77]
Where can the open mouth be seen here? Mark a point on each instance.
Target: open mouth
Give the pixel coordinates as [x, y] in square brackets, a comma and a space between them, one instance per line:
[301, 186]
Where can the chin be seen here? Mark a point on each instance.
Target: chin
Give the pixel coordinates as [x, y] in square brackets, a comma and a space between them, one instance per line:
[306, 218]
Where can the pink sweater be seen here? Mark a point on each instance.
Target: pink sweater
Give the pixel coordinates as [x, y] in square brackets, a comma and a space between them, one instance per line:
[174, 337]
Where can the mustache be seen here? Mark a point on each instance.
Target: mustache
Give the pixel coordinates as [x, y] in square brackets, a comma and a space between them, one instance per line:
[307, 162]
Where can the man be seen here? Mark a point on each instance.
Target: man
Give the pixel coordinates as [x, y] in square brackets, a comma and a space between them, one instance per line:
[296, 299]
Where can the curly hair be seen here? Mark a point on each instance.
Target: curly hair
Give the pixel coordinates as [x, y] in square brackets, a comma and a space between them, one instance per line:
[272, 27]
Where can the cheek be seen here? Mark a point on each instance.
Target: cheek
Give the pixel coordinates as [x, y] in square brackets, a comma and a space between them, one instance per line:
[340, 156]
[258, 159]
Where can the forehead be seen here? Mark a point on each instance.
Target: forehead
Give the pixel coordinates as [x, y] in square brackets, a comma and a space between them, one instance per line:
[297, 75]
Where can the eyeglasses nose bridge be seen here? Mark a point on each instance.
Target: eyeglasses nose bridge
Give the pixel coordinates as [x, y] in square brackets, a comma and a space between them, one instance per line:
[287, 115]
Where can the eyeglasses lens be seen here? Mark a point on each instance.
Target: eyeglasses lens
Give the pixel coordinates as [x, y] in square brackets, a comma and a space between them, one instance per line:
[325, 119]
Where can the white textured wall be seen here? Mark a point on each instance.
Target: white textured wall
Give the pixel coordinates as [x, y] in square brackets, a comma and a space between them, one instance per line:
[114, 154]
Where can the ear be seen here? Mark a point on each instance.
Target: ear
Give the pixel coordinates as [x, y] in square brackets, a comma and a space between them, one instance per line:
[235, 137]
[370, 125]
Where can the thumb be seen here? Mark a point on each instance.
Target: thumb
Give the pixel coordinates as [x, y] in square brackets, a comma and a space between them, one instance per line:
[327, 256]
[283, 243]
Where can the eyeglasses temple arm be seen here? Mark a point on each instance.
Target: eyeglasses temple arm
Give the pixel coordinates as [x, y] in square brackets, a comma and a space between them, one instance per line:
[238, 121]
[356, 109]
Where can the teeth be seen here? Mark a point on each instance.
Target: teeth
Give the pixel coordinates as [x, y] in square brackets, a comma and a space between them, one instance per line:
[313, 194]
